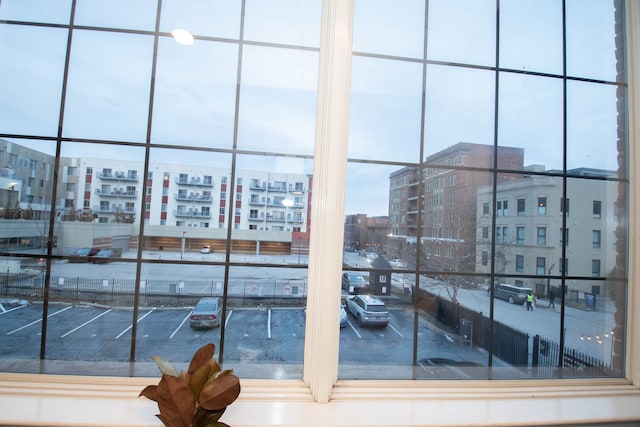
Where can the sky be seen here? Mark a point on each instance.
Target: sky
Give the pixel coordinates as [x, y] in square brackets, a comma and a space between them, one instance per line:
[195, 87]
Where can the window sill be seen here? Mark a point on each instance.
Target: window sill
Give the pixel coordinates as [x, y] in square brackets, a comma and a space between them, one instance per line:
[49, 400]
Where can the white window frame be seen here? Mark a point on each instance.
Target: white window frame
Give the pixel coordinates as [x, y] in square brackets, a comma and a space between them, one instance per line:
[319, 398]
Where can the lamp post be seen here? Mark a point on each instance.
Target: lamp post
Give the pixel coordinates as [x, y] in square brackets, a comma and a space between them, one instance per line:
[549, 278]
[182, 245]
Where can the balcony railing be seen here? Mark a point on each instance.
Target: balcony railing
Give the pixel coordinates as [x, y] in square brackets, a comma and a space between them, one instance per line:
[114, 210]
[194, 198]
[118, 176]
[116, 193]
[191, 214]
[194, 182]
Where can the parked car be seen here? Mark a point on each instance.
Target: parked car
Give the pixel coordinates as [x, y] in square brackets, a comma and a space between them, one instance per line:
[206, 249]
[368, 310]
[102, 257]
[352, 281]
[343, 316]
[83, 254]
[511, 293]
[206, 313]
[398, 263]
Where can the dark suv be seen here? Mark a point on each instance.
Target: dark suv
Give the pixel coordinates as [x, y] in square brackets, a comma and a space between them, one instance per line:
[368, 310]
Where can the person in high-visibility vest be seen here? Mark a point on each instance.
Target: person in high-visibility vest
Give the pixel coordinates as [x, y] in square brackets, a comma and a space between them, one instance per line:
[529, 301]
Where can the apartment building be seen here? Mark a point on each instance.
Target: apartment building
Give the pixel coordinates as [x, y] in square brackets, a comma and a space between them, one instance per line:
[541, 232]
[108, 191]
[440, 206]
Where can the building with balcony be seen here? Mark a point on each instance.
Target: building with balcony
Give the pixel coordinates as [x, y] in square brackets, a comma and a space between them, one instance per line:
[436, 202]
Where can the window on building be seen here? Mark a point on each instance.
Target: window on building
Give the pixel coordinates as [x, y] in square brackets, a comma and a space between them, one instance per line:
[542, 235]
[542, 205]
[597, 209]
[595, 267]
[519, 263]
[540, 266]
[520, 235]
[485, 208]
[596, 238]
[564, 236]
[564, 206]
[520, 206]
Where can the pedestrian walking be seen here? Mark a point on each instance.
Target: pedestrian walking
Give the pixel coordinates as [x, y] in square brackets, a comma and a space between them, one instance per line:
[529, 301]
[552, 297]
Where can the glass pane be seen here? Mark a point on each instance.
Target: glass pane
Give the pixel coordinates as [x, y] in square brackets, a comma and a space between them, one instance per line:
[140, 14]
[451, 216]
[272, 209]
[97, 327]
[592, 126]
[592, 336]
[389, 89]
[531, 35]
[388, 28]
[52, 11]
[462, 31]
[104, 99]
[459, 108]
[264, 339]
[278, 100]
[591, 39]
[26, 178]
[31, 69]
[531, 118]
[283, 21]
[186, 208]
[99, 202]
[195, 91]
[454, 342]
[202, 17]
[179, 326]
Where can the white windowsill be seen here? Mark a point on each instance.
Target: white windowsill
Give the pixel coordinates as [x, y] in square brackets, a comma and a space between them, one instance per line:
[49, 400]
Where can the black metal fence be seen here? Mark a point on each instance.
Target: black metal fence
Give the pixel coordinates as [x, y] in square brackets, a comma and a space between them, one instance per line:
[546, 358]
[509, 344]
[116, 291]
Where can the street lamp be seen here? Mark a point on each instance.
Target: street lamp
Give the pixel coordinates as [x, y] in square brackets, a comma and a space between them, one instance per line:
[549, 278]
[182, 245]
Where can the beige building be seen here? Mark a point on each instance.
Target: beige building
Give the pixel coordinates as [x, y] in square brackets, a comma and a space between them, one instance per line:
[530, 217]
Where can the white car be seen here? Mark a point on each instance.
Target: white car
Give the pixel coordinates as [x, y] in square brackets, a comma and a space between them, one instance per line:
[205, 249]
[398, 263]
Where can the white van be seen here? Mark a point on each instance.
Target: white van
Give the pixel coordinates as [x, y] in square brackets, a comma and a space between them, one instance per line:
[512, 293]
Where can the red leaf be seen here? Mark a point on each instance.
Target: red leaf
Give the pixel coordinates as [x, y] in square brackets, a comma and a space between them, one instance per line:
[201, 357]
[220, 393]
[150, 392]
[176, 402]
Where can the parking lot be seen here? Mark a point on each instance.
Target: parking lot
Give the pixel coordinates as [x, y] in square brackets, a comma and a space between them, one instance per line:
[253, 336]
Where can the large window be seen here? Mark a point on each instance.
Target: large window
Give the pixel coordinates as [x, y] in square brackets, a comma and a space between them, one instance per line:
[229, 168]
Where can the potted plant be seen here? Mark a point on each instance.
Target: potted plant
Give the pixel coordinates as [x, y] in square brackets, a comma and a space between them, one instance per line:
[196, 398]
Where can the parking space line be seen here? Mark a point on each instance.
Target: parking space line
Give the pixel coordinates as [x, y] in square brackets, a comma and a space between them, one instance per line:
[226, 322]
[354, 329]
[180, 325]
[36, 321]
[85, 323]
[269, 324]
[138, 321]
[397, 331]
[4, 310]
